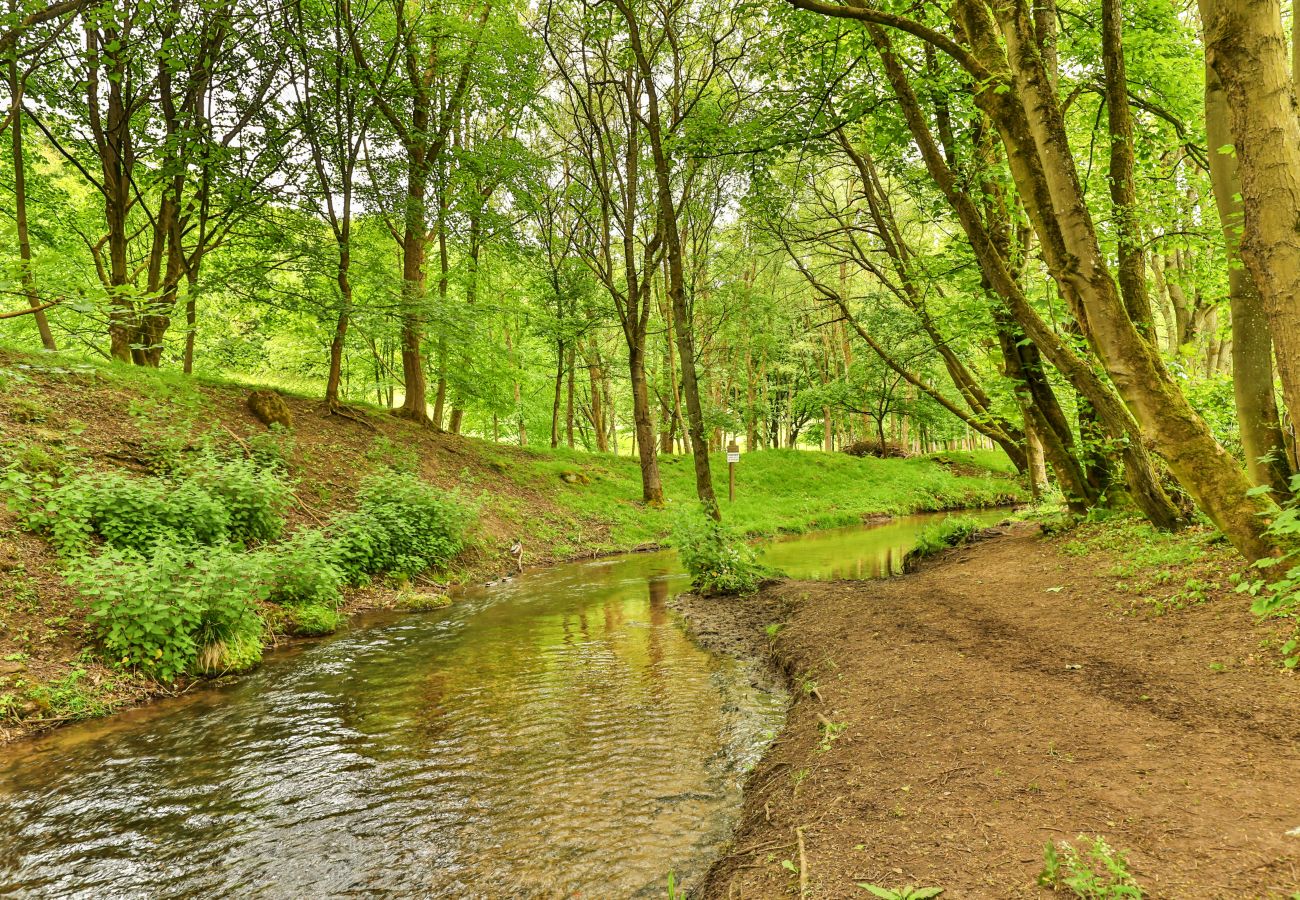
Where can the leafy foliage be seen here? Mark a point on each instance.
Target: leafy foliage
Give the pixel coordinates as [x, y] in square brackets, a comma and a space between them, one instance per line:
[1277, 593]
[1094, 872]
[904, 893]
[155, 613]
[214, 502]
[952, 531]
[403, 526]
[314, 619]
[299, 572]
[718, 559]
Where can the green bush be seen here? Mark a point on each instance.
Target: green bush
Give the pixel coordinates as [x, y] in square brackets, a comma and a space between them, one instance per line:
[300, 573]
[254, 497]
[215, 502]
[403, 527]
[313, 620]
[1277, 593]
[718, 559]
[155, 613]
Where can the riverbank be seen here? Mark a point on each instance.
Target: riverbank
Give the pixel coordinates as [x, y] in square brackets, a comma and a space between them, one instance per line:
[62, 414]
[1014, 692]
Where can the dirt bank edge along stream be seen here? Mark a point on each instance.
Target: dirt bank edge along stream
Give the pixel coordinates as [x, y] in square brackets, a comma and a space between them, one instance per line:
[947, 724]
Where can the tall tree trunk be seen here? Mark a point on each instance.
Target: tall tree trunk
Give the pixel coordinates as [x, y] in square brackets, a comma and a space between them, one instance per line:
[1123, 190]
[344, 279]
[568, 402]
[415, 404]
[444, 276]
[1246, 48]
[683, 325]
[652, 490]
[598, 426]
[1252, 345]
[556, 394]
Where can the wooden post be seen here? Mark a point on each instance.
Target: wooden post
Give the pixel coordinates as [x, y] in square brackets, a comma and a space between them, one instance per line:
[733, 457]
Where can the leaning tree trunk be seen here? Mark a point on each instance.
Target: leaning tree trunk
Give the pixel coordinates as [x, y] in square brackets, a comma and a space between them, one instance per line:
[1030, 122]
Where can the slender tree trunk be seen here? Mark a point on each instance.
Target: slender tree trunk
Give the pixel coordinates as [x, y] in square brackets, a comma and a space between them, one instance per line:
[26, 279]
[652, 490]
[444, 275]
[1123, 190]
[598, 426]
[415, 404]
[344, 280]
[568, 403]
[683, 326]
[556, 394]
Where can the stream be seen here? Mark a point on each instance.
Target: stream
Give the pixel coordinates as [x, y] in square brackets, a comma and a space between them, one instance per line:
[554, 735]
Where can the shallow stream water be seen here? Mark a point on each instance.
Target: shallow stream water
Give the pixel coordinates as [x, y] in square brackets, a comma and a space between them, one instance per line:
[556, 735]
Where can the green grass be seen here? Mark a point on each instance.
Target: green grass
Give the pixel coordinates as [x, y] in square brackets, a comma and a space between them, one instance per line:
[776, 490]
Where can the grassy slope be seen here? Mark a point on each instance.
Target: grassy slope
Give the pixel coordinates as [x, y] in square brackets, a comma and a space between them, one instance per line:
[57, 410]
[776, 491]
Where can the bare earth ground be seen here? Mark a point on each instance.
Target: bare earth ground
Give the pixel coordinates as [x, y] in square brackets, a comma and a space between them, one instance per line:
[1006, 696]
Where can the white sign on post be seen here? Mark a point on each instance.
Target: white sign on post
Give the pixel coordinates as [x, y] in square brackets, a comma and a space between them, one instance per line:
[733, 457]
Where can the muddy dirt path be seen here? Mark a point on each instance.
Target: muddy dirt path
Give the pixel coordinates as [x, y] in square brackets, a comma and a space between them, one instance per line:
[999, 699]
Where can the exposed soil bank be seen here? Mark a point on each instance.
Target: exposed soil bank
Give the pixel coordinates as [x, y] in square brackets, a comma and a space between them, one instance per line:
[1001, 698]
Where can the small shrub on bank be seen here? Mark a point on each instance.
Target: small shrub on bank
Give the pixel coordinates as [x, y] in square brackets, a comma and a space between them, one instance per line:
[718, 559]
[950, 532]
[313, 620]
[403, 526]
[300, 573]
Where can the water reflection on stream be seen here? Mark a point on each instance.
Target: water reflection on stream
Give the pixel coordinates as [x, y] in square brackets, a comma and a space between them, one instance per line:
[557, 735]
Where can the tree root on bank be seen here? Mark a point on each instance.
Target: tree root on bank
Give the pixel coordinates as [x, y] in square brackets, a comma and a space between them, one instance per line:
[346, 412]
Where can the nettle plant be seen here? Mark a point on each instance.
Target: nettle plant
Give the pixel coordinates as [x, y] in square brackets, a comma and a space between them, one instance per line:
[1277, 592]
[161, 560]
[157, 613]
[213, 501]
[720, 561]
[403, 526]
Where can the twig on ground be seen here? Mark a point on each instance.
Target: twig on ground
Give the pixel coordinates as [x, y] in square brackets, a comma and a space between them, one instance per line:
[803, 863]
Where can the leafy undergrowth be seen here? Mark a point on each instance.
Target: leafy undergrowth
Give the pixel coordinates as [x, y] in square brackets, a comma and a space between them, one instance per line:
[719, 559]
[1161, 571]
[942, 535]
[153, 511]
